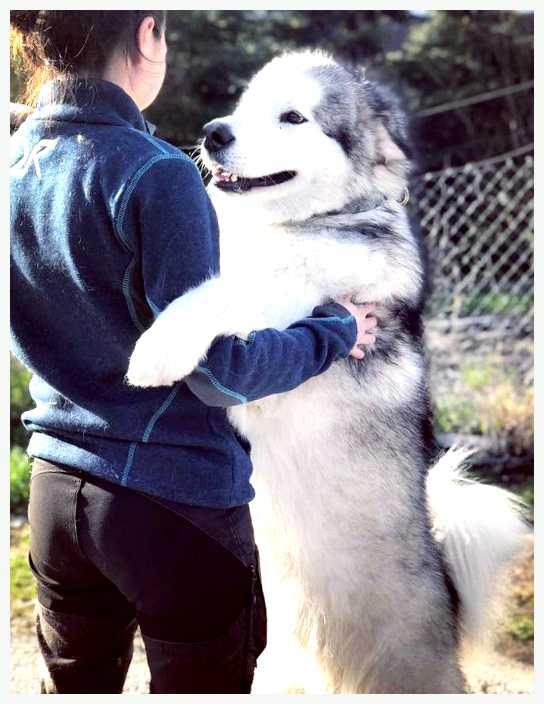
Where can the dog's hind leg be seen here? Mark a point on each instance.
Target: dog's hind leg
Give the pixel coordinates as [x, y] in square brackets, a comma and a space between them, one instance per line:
[402, 639]
[413, 669]
[286, 666]
[390, 663]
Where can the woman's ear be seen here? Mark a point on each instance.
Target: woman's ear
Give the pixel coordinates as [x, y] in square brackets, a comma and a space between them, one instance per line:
[147, 63]
[146, 38]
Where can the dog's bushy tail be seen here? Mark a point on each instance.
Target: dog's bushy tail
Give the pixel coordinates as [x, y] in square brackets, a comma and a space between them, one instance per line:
[481, 529]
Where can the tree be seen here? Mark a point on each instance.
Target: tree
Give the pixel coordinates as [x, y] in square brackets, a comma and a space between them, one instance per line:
[430, 60]
[214, 53]
[458, 54]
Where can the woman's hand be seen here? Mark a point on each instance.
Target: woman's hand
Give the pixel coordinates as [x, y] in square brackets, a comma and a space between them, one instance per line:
[360, 312]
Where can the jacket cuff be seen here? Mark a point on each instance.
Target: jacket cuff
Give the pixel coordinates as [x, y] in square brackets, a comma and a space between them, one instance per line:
[332, 309]
[342, 320]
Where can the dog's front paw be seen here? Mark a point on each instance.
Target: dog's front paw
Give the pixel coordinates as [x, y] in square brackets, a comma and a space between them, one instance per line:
[179, 338]
[150, 363]
[161, 358]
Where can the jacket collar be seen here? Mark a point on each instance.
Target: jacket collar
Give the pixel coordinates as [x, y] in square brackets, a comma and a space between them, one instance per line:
[89, 100]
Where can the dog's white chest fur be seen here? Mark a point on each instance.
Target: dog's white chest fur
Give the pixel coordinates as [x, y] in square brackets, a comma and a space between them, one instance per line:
[269, 262]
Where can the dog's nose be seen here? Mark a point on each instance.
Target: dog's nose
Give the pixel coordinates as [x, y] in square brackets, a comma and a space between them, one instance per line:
[217, 135]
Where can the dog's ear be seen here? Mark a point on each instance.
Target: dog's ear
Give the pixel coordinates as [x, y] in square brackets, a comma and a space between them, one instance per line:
[393, 151]
[392, 132]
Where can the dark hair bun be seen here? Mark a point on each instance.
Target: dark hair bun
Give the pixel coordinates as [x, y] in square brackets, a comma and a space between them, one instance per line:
[24, 20]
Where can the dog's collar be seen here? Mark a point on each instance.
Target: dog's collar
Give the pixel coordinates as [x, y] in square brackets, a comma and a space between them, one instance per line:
[405, 197]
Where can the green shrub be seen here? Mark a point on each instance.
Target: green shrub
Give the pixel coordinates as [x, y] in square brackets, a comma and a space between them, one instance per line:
[522, 628]
[492, 401]
[20, 401]
[457, 416]
[527, 493]
[19, 477]
[22, 583]
[497, 302]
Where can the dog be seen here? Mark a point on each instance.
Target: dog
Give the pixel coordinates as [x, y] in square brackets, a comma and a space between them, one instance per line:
[379, 556]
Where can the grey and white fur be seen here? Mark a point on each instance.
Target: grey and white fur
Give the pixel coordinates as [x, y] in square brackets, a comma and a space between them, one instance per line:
[376, 568]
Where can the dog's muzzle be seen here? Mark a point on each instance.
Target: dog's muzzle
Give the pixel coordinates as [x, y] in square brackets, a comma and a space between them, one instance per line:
[217, 135]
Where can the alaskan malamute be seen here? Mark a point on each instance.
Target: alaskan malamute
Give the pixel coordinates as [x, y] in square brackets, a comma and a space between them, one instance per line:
[375, 568]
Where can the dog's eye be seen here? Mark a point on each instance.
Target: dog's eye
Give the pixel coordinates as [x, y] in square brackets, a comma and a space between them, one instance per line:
[294, 117]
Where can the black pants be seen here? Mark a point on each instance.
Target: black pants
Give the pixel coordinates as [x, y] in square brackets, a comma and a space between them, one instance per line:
[107, 559]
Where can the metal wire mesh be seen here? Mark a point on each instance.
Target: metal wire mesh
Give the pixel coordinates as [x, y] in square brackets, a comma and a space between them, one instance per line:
[477, 221]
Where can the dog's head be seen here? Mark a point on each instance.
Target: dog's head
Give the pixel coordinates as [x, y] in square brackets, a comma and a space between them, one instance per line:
[309, 135]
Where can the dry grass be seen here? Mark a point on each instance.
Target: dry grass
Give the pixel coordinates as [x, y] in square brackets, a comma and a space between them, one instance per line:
[507, 413]
[489, 399]
[517, 637]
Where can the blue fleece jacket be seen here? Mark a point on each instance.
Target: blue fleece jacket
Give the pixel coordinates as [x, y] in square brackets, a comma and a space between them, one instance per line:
[109, 224]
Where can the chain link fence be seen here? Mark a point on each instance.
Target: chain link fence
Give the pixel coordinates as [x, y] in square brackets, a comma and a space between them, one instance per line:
[477, 221]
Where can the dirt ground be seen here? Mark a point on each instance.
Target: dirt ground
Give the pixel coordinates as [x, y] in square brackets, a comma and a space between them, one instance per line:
[506, 669]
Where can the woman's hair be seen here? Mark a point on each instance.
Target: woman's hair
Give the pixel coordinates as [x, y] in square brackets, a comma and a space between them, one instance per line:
[48, 44]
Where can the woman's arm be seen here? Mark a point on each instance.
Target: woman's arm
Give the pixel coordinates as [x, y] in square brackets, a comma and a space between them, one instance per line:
[271, 361]
[173, 221]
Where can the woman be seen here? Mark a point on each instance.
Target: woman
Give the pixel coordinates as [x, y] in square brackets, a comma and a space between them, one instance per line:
[139, 497]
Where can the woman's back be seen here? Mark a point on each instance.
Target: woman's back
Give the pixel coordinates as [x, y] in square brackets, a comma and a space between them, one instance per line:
[90, 190]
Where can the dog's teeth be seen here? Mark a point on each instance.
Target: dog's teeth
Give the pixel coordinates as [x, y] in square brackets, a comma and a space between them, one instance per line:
[222, 175]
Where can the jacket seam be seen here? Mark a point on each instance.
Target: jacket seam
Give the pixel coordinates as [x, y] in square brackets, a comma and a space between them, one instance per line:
[129, 462]
[344, 321]
[121, 236]
[154, 142]
[147, 432]
[125, 287]
[220, 387]
[159, 412]
[130, 188]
